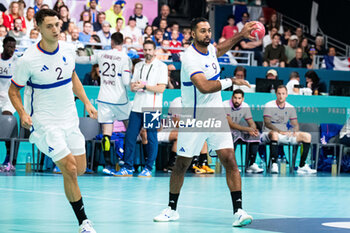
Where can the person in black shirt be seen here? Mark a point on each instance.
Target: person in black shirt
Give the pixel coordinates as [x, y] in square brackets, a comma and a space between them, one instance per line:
[298, 61]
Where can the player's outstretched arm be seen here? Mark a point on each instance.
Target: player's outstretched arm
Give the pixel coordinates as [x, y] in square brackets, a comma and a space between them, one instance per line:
[79, 91]
[16, 100]
[225, 46]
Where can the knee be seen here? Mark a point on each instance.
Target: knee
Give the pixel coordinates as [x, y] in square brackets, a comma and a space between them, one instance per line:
[182, 164]
[228, 161]
[273, 135]
[81, 170]
[71, 169]
[307, 137]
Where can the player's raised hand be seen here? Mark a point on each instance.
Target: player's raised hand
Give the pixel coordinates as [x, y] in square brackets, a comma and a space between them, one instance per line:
[91, 111]
[26, 121]
[240, 82]
[247, 29]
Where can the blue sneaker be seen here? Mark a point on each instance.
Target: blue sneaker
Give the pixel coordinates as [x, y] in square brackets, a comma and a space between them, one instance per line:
[56, 170]
[145, 173]
[107, 171]
[89, 171]
[124, 173]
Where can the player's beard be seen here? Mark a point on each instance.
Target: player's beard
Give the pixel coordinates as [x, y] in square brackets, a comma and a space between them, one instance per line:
[148, 57]
[236, 105]
[205, 42]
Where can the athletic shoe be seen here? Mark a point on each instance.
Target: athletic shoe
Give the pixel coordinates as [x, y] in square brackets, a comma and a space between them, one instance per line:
[306, 170]
[241, 218]
[198, 170]
[56, 170]
[207, 169]
[274, 168]
[254, 168]
[108, 171]
[124, 173]
[89, 171]
[167, 215]
[86, 227]
[8, 168]
[145, 173]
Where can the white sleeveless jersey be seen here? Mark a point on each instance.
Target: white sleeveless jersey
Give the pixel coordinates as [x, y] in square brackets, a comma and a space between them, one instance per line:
[194, 62]
[114, 67]
[48, 96]
[7, 68]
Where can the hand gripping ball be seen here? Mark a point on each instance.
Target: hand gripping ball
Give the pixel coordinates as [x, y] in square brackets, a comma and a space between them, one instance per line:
[258, 33]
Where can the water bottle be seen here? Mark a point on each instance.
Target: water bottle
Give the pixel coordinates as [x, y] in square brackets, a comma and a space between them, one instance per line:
[262, 163]
[28, 163]
[279, 163]
[283, 166]
[334, 166]
[272, 90]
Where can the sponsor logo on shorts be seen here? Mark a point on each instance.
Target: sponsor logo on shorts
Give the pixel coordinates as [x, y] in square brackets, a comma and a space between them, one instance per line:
[50, 149]
[182, 149]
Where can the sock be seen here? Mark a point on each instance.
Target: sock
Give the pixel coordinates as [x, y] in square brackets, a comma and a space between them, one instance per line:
[79, 210]
[172, 158]
[236, 200]
[7, 159]
[106, 147]
[194, 161]
[173, 200]
[253, 150]
[203, 160]
[306, 148]
[274, 151]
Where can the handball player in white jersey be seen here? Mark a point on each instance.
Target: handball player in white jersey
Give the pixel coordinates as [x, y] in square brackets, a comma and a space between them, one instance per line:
[113, 101]
[7, 66]
[201, 88]
[47, 71]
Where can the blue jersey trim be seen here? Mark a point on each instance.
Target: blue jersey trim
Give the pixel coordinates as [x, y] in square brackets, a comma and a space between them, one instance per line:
[188, 84]
[197, 72]
[111, 103]
[119, 74]
[204, 54]
[31, 100]
[46, 52]
[6, 76]
[195, 102]
[17, 85]
[51, 85]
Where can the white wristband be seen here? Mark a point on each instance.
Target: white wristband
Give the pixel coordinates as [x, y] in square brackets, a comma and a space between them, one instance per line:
[225, 83]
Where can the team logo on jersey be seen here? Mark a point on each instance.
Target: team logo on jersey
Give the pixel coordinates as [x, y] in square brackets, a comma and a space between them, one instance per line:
[65, 60]
[206, 66]
[50, 149]
[45, 68]
[151, 120]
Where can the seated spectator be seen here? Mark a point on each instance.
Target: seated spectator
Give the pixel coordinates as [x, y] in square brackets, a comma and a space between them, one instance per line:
[33, 38]
[115, 12]
[158, 37]
[286, 35]
[65, 17]
[344, 135]
[75, 38]
[85, 16]
[275, 22]
[57, 5]
[119, 26]
[3, 32]
[69, 31]
[85, 35]
[163, 25]
[227, 58]
[319, 46]
[254, 46]
[263, 21]
[186, 32]
[310, 59]
[268, 38]
[141, 20]
[62, 36]
[293, 86]
[162, 53]
[9, 19]
[299, 33]
[164, 13]
[277, 114]
[304, 45]
[328, 61]
[105, 34]
[176, 27]
[133, 32]
[314, 83]
[229, 30]
[174, 43]
[93, 77]
[271, 74]
[245, 19]
[101, 17]
[29, 19]
[241, 73]
[298, 61]
[274, 53]
[18, 32]
[93, 11]
[237, 110]
[37, 5]
[291, 48]
[148, 32]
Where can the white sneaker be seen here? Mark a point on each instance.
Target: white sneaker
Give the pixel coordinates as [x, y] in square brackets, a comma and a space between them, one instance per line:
[86, 227]
[306, 170]
[274, 168]
[241, 218]
[254, 169]
[167, 215]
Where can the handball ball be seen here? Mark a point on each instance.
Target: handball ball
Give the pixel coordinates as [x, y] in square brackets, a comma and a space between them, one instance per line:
[258, 33]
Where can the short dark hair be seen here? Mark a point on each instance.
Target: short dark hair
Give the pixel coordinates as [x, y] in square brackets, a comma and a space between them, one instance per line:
[119, 18]
[30, 8]
[8, 39]
[238, 91]
[294, 74]
[282, 86]
[41, 14]
[86, 23]
[313, 76]
[276, 34]
[240, 68]
[117, 38]
[231, 17]
[195, 21]
[149, 42]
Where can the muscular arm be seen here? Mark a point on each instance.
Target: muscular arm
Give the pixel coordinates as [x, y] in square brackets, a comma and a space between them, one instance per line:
[251, 123]
[16, 100]
[295, 125]
[236, 126]
[250, 45]
[269, 125]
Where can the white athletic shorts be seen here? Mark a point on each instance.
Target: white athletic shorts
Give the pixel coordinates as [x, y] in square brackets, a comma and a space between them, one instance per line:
[6, 105]
[283, 139]
[108, 113]
[163, 136]
[190, 144]
[58, 141]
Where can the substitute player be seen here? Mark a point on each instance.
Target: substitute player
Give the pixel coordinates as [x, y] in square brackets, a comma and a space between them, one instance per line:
[113, 101]
[7, 66]
[47, 72]
[201, 88]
